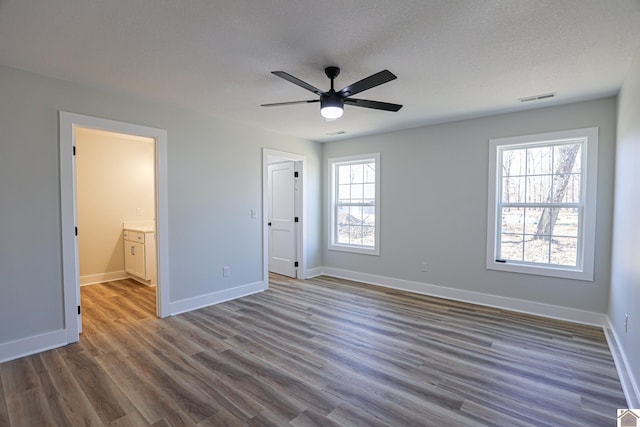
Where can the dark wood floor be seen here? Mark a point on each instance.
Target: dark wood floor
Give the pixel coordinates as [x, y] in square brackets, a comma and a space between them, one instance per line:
[320, 352]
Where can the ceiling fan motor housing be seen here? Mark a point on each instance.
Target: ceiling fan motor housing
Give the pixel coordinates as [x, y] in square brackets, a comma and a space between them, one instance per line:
[331, 99]
[332, 72]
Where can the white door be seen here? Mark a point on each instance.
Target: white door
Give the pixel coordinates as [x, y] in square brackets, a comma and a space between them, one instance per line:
[281, 221]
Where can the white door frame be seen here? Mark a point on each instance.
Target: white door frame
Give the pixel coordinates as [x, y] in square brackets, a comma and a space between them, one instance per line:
[268, 156]
[69, 122]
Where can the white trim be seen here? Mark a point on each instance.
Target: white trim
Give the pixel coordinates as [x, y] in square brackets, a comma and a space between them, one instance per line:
[589, 185]
[629, 384]
[92, 279]
[68, 123]
[496, 301]
[31, 345]
[201, 301]
[331, 172]
[314, 272]
[268, 154]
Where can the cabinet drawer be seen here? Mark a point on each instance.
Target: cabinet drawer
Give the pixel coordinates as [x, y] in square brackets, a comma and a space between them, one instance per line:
[133, 236]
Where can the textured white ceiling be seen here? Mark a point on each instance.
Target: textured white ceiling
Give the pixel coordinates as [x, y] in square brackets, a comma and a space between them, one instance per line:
[454, 58]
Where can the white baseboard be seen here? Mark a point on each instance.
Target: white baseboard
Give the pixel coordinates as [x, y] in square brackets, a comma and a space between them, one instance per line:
[513, 304]
[201, 301]
[31, 345]
[92, 279]
[313, 272]
[629, 383]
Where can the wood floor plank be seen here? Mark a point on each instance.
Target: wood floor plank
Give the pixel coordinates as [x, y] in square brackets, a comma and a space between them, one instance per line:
[30, 408]
[319, 352]
[4, 411]
[153, 404]
[310, 418]
[67, 402]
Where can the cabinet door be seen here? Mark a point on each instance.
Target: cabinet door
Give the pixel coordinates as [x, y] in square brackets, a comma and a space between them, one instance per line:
[134, 262]
[129, 257]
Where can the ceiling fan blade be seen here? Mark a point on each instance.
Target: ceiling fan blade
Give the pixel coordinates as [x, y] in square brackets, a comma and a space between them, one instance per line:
[367, 83]
[276, 104]
[377, 105]
[296, 81]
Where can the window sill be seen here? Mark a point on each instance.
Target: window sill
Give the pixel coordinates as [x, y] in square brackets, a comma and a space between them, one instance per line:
[354, 249]
[550, 271]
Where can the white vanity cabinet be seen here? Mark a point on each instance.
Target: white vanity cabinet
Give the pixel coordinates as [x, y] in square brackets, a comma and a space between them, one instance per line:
[140, 254]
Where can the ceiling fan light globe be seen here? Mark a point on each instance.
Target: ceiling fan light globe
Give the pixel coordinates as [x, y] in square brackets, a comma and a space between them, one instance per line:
[331, 112]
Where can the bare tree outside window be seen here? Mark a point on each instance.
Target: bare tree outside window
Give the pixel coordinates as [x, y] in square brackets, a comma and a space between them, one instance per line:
[540, 204]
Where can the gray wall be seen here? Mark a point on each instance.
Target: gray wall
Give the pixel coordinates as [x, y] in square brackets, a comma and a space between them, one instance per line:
[215, 179]
[625, 255]
[434, 205]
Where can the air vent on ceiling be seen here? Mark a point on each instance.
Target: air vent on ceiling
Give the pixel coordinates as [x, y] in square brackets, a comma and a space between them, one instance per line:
[339, 132]
[537, 97]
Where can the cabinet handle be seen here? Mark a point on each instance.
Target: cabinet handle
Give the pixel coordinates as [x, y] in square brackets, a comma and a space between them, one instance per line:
[133, 250]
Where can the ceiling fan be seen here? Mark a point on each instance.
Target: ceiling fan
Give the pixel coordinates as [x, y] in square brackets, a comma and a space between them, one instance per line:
[332, 102]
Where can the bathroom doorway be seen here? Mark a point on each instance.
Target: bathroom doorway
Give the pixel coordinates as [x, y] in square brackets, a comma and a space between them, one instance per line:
[115, 193]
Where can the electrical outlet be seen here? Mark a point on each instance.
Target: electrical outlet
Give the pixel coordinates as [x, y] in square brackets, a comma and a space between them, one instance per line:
[139, 212]
[254, 214]
[626, 323]
[226, 271]
[423, 266]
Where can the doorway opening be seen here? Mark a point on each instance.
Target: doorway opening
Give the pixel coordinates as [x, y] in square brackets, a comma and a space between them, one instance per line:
[115, 194]
[283, 213]
[72, 127]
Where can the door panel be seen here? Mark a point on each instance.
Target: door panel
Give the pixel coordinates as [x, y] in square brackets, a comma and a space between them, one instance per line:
[282, 232]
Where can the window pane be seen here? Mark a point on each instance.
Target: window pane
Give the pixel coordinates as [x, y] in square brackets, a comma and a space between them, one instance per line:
[513, 162]
[572, 190]
[567, 223]
[344, 175]
[513, 189]
[369, 215]
[343, 215]
[511, 247]
[512, 220]
[343, 234]
[355, 235]
[533, 216]
[538, 188]
[355, 214]
[368, 235]
[567, 158]
[357, 174]
[369, 192]
[356, 193]
[370, 172]
[536, 249]
[564, 251]
[539, 160]
[344, 192]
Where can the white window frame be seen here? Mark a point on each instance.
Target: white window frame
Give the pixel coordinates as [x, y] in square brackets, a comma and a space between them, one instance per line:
[333, 205]
[586, 238]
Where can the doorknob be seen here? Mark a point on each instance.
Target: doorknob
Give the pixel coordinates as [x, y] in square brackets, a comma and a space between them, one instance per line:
[269, 224]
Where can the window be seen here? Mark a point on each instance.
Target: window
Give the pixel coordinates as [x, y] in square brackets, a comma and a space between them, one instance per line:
[541, 217]
[355, 197]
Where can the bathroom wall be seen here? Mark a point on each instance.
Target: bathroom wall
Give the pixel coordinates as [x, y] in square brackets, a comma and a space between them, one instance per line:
[115, 183]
